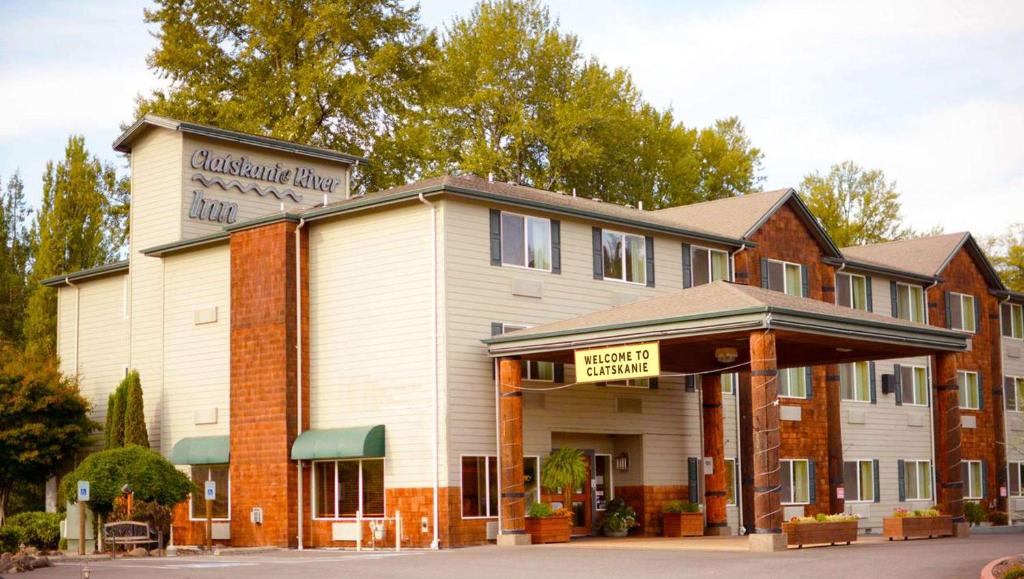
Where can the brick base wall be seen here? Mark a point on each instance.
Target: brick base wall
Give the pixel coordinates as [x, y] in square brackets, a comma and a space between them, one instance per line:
[648, 502]
[188, 532]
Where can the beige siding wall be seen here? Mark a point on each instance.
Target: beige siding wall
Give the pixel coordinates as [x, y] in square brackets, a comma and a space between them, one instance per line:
[478, 294]
[371, 326]
[101, 331]
[1013, 365]
[197, 359]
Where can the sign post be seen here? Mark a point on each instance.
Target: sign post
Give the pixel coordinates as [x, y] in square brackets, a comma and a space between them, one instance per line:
[211, 494]
[83, 497]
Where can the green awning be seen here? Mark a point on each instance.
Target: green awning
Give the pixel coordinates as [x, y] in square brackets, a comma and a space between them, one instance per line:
[202, 450]
[353, 442]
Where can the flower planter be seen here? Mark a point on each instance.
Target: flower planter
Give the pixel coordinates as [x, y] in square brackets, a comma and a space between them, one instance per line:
[801, 534]
[682, 524]
[915, 527]
[549, 529]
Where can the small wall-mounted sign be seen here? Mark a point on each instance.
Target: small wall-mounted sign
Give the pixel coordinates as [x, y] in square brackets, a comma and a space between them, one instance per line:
[83, 491]
[840, 493]
[618, 363]
[709, 465]
[211, 490]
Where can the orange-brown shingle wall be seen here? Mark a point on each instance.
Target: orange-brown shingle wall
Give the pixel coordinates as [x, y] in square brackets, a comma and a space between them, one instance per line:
[785, 236]
[984, 442]
[263, 378]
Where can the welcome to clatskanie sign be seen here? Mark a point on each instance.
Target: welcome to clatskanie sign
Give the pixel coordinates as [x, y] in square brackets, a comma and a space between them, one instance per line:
[618, 363]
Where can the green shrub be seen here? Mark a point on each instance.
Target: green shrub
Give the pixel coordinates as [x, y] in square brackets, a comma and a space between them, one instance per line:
[974, 512]
[11, 538]
[150, 475]
[680, 507]
[1015, 572]
[41, 530]
[998, 518]
[134, 415]
[539, 510]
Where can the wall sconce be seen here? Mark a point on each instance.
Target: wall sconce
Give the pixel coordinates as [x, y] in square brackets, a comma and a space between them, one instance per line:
[726, 355]
[622, 462]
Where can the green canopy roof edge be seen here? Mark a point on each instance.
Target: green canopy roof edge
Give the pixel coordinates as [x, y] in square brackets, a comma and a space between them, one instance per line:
[350, 442]
[202, 450]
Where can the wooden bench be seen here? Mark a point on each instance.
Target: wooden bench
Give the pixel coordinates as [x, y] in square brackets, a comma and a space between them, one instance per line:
[128, 533]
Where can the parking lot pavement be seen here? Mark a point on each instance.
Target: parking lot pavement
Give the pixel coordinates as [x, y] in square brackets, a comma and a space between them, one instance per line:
[938, 558]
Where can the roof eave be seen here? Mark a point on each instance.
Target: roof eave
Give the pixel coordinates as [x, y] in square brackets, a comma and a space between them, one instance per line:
[93, 272]
[816, 229]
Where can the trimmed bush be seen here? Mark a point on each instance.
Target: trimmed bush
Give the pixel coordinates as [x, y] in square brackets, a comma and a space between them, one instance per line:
[150, 475]
[539, 510]
[974, 512]
[40, 530]
[11, 538]
[680, 507]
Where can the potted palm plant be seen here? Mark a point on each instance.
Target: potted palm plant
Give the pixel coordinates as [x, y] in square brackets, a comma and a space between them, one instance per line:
[566, 469]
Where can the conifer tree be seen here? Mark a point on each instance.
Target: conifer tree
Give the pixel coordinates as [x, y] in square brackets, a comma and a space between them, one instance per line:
[134, 415]
[15, 257]
[109, 438]
[116, 429]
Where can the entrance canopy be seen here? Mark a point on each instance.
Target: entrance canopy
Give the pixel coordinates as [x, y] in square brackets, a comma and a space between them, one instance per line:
[699, 328]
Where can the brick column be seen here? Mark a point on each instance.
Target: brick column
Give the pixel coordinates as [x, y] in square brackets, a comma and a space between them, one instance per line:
[513, 502]
[263, 375]
[946, 411]
[835, 438]
[714, 447]
[764, 401]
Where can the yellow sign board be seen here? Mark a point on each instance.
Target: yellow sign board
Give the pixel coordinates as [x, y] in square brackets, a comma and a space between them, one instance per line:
[618, 363]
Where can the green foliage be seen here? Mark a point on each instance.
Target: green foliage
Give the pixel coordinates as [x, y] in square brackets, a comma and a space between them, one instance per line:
[564, 468]
[998, 518]
[77, 227]
[109, 436]
[1015, 572]
[680, 507]
[15, 256]
[116, 435]
[854, 205]
[39, 529]
[1006, 252]
[134, 416]
[11, 538]
[618, 517]
[974, 512]
[150, 475]
[43, 420]
[539, 510]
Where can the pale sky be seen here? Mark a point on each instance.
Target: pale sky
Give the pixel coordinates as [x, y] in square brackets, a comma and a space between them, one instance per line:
[930, 92]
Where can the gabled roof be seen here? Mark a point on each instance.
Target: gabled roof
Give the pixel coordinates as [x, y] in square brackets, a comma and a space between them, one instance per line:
[923, 256]
[743, 215]
[123, 143]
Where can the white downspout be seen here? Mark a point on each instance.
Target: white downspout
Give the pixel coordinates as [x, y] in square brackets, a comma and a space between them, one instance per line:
[298, 369]
[435, 542]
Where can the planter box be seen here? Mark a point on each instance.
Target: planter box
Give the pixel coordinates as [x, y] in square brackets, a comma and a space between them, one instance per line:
[914, 527]
[819, 533]
[682, 524]
[549, 529]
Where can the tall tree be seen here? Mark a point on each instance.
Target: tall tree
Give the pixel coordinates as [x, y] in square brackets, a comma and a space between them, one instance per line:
[335, 73]
[15, 257]
[513, 96]
[1007, 254]
[855, 205]
[134, 413]
[43, 420]
[74, 230]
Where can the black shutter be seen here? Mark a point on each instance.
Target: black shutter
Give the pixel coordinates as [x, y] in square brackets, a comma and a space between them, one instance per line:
[981, 391]
[977, 314]
[649, 246]
[928, 386]
[556, 246]
[598, 255]
[692, 475]
[878, 486]
[984, 479]
[652, 383]
[495, 237]
[812, 483]
[867, 289]
[894, 298]
[804, 280]
[897, 384]
[559, 373]
[949, 310]
[690, 381]
[809, 379]
[871, 381]
[687, 267]
[901, 475]
[764, 272]
[1010, 393]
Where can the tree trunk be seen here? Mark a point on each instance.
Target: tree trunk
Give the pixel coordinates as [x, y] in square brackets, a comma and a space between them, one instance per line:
[5, 495]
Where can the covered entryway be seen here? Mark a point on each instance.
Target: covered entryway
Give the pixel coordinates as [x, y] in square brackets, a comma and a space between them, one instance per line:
[719, 327]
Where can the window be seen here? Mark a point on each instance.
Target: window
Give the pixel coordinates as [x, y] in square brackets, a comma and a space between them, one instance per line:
[969, 392]
[1016, 476]
[795, 478]
[531, 479]
[1013, 321]
[731, 490]
[221, 507]
[914, 385]
[910, 303]
[1014, 393]
[708, 265]
[859, 480]
[480, 486]
[525, 241]
[533, 369]
[917, 477]
[961, 311]
[785, 277]
[729, 383]
[973, 475]
[343, 487]
[793, 383]
[625, 257]
[855, 381]
[852, 291]
[603, 487]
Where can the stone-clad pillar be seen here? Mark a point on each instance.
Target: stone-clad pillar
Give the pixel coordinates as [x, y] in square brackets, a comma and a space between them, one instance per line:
[513, 490]
[835, 438]
[768, 535]
[714, 447]
[949, 492]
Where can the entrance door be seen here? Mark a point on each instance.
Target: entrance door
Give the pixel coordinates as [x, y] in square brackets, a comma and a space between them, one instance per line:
[582, 505]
